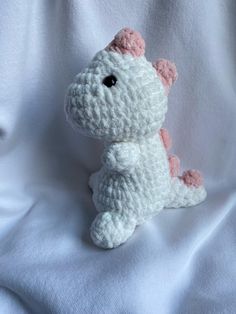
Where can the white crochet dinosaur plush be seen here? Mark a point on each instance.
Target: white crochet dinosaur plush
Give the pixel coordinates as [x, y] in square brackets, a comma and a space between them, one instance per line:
[121, 98]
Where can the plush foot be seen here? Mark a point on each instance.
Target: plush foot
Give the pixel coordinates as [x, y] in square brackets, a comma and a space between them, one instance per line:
[111, 229]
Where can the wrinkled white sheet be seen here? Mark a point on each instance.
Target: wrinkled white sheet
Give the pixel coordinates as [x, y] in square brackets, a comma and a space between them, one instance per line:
[183, 261]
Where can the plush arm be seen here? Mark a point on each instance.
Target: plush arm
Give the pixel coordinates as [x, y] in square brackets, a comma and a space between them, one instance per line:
[121, 157]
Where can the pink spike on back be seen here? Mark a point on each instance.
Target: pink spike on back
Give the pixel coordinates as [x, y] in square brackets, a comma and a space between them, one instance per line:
[166, 139]
[174, 165]
[128, 41]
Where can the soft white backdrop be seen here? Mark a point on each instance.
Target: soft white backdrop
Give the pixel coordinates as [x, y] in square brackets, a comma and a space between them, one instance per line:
[183, 261]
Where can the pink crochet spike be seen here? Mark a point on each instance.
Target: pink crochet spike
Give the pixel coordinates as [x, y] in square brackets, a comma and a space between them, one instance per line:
[192, 178]
[165, 137]
[174, 164]
[167, 72]
[128, 41]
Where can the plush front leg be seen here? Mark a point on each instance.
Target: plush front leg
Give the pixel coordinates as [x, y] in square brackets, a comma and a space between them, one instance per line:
[121, 156]
[110, 229]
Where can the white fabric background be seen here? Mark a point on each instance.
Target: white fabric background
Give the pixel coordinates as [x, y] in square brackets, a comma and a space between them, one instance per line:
[183, 261]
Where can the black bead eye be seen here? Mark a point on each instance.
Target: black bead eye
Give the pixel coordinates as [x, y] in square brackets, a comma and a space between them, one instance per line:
[109, 81]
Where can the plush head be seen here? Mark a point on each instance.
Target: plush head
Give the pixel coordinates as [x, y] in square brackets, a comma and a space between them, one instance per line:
[120, 96]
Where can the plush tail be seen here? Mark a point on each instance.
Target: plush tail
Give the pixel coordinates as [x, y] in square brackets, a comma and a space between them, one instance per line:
[187, 189]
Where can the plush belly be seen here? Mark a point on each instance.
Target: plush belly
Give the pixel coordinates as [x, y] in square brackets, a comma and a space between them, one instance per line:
[140, 191]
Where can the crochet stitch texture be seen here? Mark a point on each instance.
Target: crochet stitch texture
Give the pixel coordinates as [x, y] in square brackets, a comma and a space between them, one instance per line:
[126, 110]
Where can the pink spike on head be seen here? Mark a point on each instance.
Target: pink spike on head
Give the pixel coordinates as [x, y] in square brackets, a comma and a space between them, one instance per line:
[167, 72]
[128, 41]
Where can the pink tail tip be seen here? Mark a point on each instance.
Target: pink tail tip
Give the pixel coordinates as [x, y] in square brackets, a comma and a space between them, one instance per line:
[192, 178]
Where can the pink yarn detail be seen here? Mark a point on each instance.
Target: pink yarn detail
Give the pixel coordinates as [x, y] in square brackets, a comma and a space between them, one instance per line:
[165, 137]
[128, 41]
[167, 72]
[192, 178]
[174, 164]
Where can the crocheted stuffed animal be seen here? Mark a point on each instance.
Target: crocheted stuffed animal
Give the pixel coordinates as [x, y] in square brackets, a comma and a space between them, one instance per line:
[121, 98]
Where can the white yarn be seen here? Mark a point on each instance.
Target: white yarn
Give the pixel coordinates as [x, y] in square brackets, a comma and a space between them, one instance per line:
[182, 195]
[135, 107]
[134, 182]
